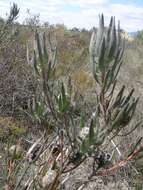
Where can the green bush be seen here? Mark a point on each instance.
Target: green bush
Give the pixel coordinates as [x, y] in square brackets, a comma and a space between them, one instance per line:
[70, 134]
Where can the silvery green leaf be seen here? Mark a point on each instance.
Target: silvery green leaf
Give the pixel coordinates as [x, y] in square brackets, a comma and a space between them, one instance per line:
[107, 36]
[84, 147]
[82, 122]
[92, 42]
[35, 64]
[101, 56]
[91, 133]
[44, 47]
[99, 34]
[127, 99]
[118, 43]
[39, 48]
[112, 42]
[119, 97]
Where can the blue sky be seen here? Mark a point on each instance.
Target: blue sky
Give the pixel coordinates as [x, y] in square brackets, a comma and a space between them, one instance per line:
[81, 13]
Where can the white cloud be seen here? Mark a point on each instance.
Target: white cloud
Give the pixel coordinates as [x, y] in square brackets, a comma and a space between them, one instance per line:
[85, 14]
[130, 16]
[84, 3]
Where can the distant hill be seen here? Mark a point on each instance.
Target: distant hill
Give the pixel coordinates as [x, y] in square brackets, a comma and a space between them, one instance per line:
[133, 34]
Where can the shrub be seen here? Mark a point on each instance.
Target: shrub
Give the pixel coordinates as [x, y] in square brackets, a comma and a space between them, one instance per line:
[69, 135]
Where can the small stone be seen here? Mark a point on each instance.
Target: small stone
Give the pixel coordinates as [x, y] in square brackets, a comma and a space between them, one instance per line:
[16, 151]
[49, 178]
